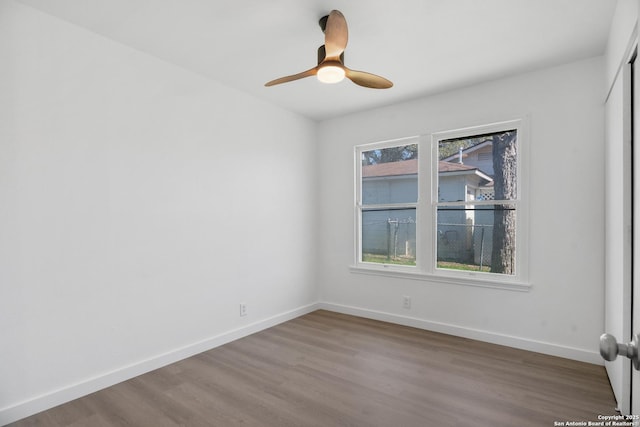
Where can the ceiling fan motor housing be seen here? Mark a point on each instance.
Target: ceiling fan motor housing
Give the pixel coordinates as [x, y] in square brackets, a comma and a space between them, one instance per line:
[322, 54]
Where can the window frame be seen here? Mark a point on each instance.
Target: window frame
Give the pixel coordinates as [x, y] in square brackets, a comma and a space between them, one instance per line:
[360, 207]
[426, 211]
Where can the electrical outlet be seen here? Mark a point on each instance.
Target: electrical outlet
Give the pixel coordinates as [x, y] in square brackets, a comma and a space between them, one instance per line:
[243, 309]
[406, 302]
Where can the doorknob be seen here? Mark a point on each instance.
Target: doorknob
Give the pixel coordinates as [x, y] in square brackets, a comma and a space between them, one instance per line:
[610, 349]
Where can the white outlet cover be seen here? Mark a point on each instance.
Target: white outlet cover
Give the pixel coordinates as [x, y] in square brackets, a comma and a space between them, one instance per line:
[406, 302]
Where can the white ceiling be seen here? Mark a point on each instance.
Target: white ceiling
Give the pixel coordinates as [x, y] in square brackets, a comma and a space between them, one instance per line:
[423, 46]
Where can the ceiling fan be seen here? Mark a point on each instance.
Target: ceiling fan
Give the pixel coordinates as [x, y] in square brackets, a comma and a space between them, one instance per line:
[331, 68]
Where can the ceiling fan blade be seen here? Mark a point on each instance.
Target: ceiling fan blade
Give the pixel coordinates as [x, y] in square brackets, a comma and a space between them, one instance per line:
[367, 79]
[312, 72]
[336, 35]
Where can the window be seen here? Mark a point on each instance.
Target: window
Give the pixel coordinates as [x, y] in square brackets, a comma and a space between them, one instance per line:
[476, 208]
[387, 208]
[447, 206]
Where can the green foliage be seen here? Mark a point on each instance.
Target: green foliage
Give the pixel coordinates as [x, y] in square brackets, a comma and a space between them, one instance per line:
[391, 154]
[382, 259]
[460, 266]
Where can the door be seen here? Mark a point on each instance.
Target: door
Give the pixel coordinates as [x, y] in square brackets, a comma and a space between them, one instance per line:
[618, 233]
[622, 294]
[635, 290]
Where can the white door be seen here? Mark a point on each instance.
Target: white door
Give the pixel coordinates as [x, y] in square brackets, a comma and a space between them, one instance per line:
[635, 329]
[622, 298]
[618, 232]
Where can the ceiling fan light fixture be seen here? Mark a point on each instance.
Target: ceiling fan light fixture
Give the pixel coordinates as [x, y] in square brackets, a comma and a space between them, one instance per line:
[330, 68]
[331, 74]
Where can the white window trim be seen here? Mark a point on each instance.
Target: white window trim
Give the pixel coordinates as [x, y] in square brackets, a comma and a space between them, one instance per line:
[358, 198]
[425, 268]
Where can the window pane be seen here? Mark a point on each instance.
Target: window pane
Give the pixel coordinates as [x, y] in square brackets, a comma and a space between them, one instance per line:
[482, 167]
[389, 236]
[390, 175]
[477, 239]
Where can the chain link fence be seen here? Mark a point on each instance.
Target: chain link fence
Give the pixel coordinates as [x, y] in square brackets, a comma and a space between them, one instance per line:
[392, 239]
[389, 239]
[469, 244]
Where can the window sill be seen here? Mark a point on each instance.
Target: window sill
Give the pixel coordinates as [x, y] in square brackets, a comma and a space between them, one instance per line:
[412, 274]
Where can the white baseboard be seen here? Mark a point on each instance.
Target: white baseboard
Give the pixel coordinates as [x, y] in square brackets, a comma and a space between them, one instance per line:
[476, 334]
[53, 398]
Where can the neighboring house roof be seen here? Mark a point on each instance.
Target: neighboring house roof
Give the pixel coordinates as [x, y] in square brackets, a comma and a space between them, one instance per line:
[410, 167]
[454, 167]
[405, 167]
[450, 168]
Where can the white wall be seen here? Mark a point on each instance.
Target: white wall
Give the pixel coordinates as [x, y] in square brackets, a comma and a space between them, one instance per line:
[623, 27]
[140, 204]
[562, 314]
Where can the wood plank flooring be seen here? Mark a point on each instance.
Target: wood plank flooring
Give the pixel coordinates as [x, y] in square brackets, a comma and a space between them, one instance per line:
[328, 369]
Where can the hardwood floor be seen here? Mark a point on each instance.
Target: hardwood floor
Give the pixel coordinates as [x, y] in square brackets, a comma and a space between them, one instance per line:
[328, 369]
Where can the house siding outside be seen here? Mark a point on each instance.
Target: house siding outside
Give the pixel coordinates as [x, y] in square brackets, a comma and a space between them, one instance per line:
[464, 235]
